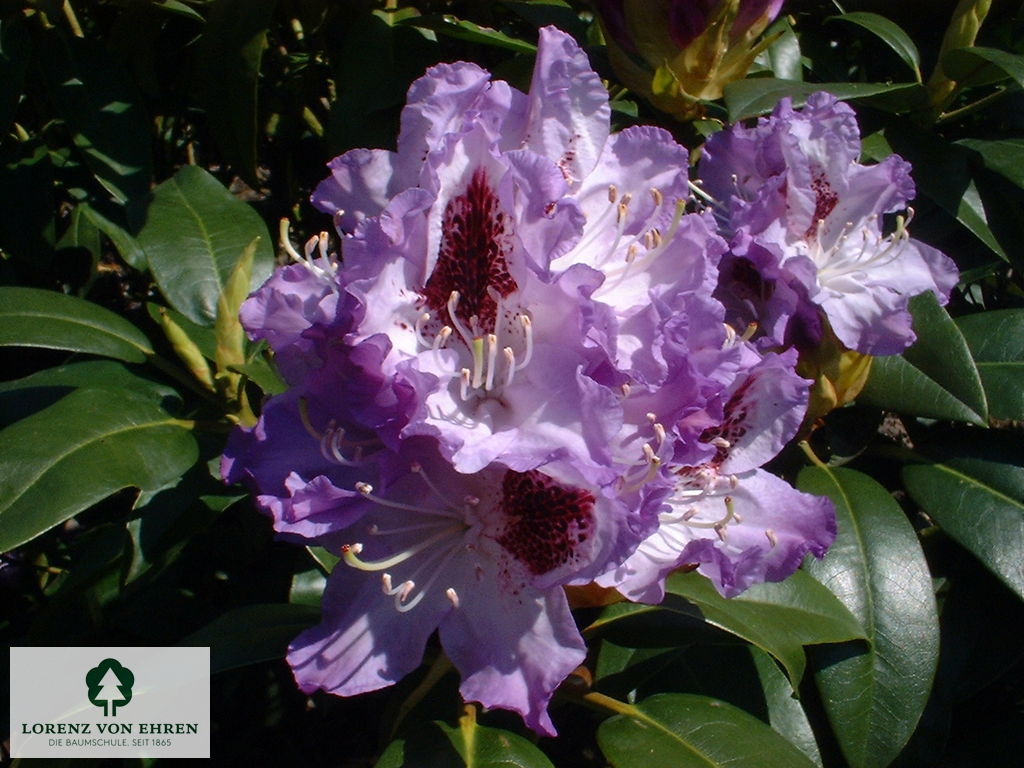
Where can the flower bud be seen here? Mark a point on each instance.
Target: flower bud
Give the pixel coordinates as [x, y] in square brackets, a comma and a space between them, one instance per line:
[678, 52]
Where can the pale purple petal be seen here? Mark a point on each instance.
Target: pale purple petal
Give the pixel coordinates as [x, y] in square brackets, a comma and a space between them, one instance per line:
[361, 645]
[568, 113]
[360, 185]
[513, 650]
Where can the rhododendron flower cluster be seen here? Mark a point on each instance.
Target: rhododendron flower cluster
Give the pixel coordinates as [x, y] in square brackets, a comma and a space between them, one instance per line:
[518, 377]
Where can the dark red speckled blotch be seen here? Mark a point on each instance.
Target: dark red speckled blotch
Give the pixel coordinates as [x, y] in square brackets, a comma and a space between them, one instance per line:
[474, 242]
[546, 522]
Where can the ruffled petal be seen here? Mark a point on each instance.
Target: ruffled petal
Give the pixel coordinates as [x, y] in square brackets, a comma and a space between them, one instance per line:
[512, 650]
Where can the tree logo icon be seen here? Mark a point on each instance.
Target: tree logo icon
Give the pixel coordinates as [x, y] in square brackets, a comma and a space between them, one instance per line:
[110, 685]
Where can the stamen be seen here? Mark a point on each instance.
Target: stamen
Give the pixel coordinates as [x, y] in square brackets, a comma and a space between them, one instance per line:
[478, 360]
[492, 360]
[659, 433]
[510, 365]
[657, 197]
[452, 596]
[699, 192]
[417, 468]
[721, 442]
[527, 324]
[350, 552]
[453, 304]
[773, 540]
[613, 193]
[365, 489]
[420, 337]
[464, 380]
[751, 329]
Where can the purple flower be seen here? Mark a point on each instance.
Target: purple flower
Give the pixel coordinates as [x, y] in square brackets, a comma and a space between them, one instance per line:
[739, 524]
[793, 184]
[482, 558]
[516, 375]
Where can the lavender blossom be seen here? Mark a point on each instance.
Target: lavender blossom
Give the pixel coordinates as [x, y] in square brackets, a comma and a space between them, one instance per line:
[481, 557]
[793, 184]
[516, 374]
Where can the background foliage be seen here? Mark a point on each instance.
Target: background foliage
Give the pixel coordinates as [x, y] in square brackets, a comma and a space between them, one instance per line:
[148, 149]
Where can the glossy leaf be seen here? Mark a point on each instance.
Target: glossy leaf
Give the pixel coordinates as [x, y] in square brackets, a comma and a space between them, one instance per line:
[78, 451]
[936, 377]
[468, 745]
[759, 95]
[786, 714]
[228, 60]
[978, 66]
[978, 499]
[31, 317]
[996, 341]
[125, 244]
[784, 54]
[684, 731]
[889, 33]
[780, 618]
[942, 172]
[42, 389]
[874, 694]
[101, 108]
[460, 29]
[250, 634]
[194, 234]
[1004, 156]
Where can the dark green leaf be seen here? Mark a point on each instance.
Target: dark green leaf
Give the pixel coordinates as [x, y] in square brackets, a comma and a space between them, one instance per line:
[228, 67]
[27, 395]
[78, 451]
[780, 618]
[979, 66]
[786, 715]
[262, 374]
[942, 172]
[541, 13]
[460, 29]
[252, 633]
[936, 377]
[178, 8]
[469, 745]
[100, 106]
[889, 33]
[194, 234]
[759, 95]
[874, 695]
[1003, 156]
[979, 501]
[996, 341]
[784, 54]
[15, 48]
[307, 587]
[125, 244]
[31, 317]
[683, 731]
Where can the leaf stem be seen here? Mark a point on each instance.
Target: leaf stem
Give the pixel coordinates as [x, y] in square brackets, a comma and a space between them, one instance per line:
[981, 103]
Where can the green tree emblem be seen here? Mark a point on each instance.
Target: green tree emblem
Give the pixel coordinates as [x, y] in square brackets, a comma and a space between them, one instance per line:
[110, 685]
